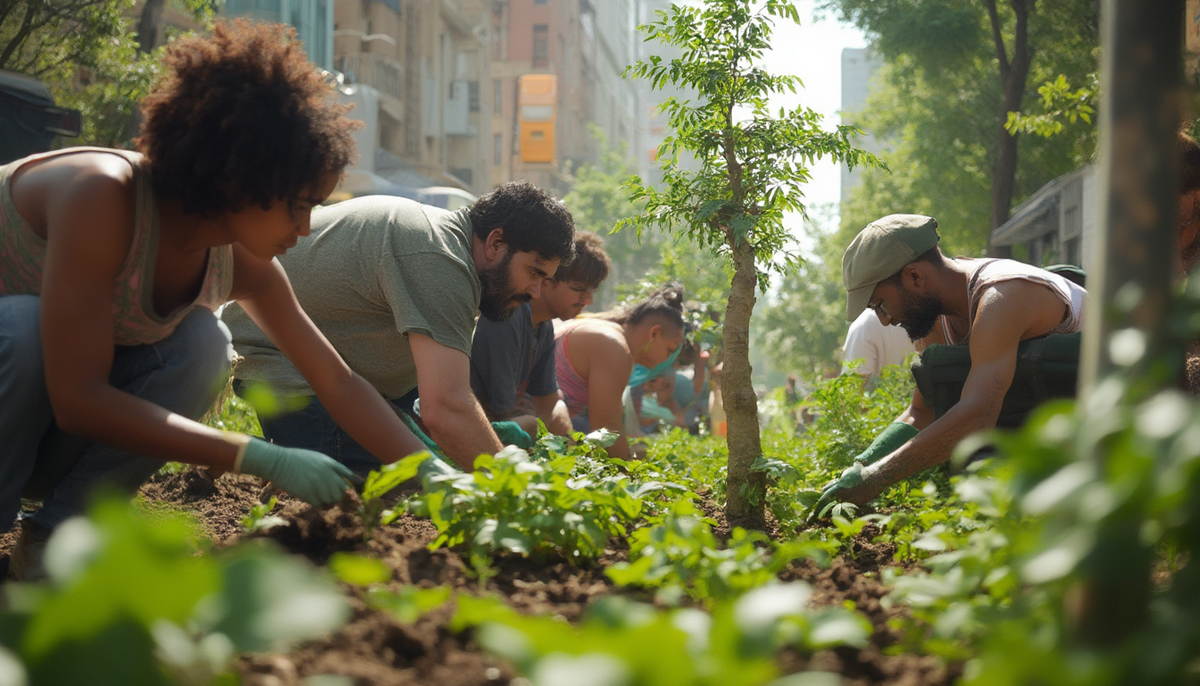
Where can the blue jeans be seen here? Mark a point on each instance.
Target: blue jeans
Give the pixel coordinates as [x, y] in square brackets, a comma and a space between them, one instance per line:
[313, 428]
[183, 373]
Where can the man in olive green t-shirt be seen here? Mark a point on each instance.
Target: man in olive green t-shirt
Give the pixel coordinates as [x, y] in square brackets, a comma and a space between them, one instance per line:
[395, 285]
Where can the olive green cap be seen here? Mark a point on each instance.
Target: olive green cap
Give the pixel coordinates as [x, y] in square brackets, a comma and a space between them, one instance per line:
[880, 251]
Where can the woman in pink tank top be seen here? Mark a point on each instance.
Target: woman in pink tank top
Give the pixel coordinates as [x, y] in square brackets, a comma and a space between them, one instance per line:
[595, 356]
[112, 262]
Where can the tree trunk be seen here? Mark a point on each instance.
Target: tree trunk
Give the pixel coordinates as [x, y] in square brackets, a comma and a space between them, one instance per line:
[1013, 76]
[746, 490]
[150, 25]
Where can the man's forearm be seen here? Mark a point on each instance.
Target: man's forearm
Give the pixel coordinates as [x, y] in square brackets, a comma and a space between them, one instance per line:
[460, 429]
[931, 447]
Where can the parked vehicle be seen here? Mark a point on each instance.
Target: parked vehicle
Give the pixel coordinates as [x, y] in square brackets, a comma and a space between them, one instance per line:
[29, 119]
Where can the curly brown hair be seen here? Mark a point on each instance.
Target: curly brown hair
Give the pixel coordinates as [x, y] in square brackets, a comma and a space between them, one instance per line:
[242, 118]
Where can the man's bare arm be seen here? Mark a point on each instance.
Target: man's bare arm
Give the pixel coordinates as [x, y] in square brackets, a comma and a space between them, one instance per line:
[455, 420]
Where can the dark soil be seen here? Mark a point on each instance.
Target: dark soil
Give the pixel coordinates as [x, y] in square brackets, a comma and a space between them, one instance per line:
[375, 649]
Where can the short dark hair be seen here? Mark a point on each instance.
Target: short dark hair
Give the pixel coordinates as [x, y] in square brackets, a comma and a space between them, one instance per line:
[932, 256]
[242, 118]
[531, 219]
[591, 264]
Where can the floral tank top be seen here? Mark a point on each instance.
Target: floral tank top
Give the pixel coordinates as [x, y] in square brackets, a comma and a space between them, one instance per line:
[23, 252]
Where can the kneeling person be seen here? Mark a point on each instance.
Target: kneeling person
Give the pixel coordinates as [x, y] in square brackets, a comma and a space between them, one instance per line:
[512, 361]
[395, 286]
[895, 268]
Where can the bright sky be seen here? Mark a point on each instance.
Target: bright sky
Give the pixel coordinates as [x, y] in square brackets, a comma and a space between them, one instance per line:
[813, 51]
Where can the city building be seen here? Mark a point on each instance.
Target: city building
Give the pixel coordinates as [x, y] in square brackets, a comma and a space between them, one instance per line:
[312, 19]
[1055, 225]
[428, 61]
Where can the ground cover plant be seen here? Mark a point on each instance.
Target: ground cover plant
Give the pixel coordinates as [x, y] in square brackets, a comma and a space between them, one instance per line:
[557, 565]
[536, 555]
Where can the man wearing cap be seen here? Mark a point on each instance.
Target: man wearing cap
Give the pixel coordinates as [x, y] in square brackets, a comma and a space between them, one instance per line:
[895, 268]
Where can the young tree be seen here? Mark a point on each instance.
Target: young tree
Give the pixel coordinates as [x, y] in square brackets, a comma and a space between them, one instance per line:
[750, 167]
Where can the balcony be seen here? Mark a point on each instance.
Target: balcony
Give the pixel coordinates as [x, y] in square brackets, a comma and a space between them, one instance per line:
[381, 73]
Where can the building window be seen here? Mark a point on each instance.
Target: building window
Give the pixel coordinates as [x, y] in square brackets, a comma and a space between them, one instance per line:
[497, 149]
[497, 96]
[473, 95]
[541, 2]
[541, 45]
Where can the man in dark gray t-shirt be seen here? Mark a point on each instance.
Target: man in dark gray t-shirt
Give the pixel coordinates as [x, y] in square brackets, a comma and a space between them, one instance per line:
[512, 361]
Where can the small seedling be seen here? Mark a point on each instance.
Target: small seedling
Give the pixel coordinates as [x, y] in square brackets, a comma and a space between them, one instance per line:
[260, 519]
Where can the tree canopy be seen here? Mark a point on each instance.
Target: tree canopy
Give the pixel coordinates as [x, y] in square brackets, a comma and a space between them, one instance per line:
[939, 104]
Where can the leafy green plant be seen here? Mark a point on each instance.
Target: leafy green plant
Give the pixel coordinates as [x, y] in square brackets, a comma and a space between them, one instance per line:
[379, 483]
[514, 503]
[679, 555]
[129, 601]
[621, 642]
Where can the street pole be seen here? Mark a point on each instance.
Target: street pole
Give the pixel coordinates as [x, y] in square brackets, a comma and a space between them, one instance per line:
[1141, 108]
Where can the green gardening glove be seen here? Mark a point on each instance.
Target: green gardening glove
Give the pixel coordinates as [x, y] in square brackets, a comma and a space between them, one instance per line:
[829, 495]
[511, 433]
[887, 442]
[315, 478]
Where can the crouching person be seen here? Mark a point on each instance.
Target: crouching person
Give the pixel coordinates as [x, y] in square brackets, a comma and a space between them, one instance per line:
[113, 262]
[990, 306]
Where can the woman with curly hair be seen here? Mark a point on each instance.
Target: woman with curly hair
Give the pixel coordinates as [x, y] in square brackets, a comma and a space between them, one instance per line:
[597, 357]
[112, 263]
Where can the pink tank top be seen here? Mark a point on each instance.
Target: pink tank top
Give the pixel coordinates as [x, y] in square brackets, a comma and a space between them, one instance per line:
[23, 252]
[574, 388]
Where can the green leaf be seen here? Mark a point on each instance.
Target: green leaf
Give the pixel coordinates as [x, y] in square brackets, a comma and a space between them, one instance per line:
[359, 570]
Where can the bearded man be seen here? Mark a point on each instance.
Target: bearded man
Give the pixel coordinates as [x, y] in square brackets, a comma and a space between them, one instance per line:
[895, 268]
[396, 286]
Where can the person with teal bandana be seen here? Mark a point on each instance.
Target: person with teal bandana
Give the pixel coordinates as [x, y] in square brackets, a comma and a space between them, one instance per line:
[597, 357]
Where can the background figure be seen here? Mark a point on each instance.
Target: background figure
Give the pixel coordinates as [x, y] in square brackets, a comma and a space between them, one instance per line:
[875, 344]
[595, 358]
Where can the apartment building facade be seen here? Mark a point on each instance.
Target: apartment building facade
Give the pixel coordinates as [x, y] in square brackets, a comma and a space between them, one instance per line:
[442, 80]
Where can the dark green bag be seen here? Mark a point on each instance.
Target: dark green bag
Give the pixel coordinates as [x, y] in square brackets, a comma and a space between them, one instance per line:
[1047, 368]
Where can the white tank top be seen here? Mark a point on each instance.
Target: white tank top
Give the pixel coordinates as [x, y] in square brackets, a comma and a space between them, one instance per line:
[990, 272]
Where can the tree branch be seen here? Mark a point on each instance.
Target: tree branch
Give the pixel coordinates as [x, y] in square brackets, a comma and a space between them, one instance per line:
[997, 36]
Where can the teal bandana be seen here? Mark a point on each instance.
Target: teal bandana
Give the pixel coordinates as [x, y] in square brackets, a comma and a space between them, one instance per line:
[642, 374]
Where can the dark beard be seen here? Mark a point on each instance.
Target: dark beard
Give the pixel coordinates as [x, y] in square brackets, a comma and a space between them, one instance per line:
[921, 313]
[498, 299]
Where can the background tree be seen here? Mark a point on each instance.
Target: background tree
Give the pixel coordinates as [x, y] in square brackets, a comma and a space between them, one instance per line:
[751, 166]
[955, 69]
[87, 53]
[598, 202]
